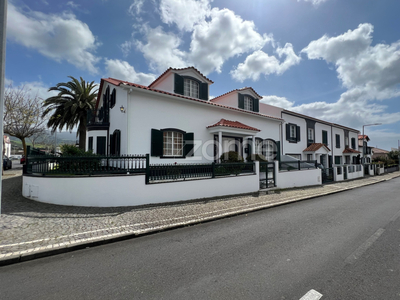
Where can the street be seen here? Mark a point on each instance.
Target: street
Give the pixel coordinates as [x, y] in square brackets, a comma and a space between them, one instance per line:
[344, 246]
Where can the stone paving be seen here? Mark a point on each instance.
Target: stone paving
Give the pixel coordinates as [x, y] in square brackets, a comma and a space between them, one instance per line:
[28, 227]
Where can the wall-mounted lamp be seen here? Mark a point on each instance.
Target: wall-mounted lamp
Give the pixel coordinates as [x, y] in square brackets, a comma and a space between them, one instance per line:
[122, 108]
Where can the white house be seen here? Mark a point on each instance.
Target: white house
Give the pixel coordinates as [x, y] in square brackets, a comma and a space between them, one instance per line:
[174, 121]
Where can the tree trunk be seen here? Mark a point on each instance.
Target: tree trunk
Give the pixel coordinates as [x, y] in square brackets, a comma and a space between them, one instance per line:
[23, 145]
[82, 138]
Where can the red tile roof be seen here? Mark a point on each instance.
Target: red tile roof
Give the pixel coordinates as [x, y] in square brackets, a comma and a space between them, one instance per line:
[315, 146]
[318, 120]
[174, 69]
[379, 151]
[362, 137]
[350, 150]
[238, 90]
[118, 82]
[233, 124]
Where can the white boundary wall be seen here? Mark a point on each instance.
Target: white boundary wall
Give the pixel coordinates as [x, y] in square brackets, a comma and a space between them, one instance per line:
[290, 179]
[131, 190]
[352, 175]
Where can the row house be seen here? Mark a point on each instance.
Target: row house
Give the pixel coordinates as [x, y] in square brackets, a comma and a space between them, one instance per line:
[307, 138]
[174, 120]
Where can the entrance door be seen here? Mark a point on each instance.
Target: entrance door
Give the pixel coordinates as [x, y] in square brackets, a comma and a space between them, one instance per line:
[344, 172]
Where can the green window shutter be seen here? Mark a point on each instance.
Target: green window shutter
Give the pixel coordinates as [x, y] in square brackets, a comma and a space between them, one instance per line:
[324, 137]
[113, 99]
[117, 142]
[188, 139]
[156, 142]
[178, 84]
[298, 133]
[203, 92]
[241, 101]
[337, 141]
[256, 105]
[287, 132]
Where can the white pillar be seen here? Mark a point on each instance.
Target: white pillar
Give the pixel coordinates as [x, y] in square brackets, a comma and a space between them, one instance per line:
[219, 146]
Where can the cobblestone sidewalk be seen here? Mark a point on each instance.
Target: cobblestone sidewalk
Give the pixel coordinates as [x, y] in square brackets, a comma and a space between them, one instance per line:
[30, 229]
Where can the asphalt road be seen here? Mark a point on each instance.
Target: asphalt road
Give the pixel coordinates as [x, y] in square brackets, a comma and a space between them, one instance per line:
[343, 246]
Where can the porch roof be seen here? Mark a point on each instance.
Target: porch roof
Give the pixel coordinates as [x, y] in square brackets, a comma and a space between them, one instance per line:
[350, 151]
[234, 128]
[315, 147]
[233, 124]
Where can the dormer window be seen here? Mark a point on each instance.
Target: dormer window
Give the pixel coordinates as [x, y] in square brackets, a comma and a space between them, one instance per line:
[248, 103]
[191, 88]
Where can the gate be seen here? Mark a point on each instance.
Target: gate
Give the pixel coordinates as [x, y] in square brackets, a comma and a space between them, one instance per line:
[267, 175]
[327, 175]
[345, 172]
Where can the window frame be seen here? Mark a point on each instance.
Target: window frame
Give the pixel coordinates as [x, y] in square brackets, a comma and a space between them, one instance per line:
[337, 137]
[310, 133]
[174, 152]
[248, 103]
[188, 88]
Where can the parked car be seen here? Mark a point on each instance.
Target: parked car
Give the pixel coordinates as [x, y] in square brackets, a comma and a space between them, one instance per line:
[15, 157]
[7, 164]
[22, 161]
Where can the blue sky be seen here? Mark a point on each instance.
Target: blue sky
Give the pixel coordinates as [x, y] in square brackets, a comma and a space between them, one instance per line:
[337, 60]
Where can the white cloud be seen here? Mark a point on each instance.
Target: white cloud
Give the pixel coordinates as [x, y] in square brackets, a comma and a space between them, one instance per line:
[33, 88]
[277, 101]
[260, 62]
[136, 7]
[184, 13]
[314, 2]
[161, 49]
[123, 70]
[59, 37]
[369, 73]
[224, 36]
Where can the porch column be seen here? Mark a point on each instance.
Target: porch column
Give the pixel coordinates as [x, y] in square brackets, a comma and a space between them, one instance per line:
[219, 146]
[253, 146]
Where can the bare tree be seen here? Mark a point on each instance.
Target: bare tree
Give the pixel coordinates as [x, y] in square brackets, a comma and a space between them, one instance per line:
[22, 114]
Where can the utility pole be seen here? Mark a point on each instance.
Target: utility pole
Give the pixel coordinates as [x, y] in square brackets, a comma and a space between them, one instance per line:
[3, 24]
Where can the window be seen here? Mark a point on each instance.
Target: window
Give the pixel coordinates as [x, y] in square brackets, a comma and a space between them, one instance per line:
[337, 141]
[172, 143]
[191, 88]
[292, 133]
[347, 159]
[266, 148]
[115, 143]
[101, 145]
[310, 134]
[309, 157]
[248, 103]
[90, 147]
[325, 137]
[338, 160]
[353, 143]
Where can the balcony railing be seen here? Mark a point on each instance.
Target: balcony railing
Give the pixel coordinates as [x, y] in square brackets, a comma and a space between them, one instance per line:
[98, 117]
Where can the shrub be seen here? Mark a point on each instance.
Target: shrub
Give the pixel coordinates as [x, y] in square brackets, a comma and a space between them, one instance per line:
[231, 157]
[256, 157]
[72, 150]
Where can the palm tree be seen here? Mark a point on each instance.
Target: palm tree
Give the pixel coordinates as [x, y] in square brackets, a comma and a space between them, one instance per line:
[70, 106]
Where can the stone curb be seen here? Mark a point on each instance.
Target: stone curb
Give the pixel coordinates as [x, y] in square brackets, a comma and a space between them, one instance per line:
[54, 249]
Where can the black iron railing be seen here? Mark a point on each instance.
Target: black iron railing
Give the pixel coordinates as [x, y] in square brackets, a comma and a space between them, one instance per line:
[297, 165]
[85, 165]
[167, 172]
